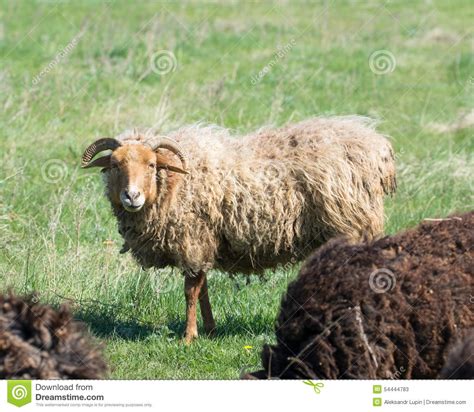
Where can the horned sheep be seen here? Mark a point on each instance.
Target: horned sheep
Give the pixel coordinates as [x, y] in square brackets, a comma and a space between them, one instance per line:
[243, 204]
[393, 308]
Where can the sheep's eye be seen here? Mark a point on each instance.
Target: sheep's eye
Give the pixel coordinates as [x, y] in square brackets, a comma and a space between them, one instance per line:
[151, 165]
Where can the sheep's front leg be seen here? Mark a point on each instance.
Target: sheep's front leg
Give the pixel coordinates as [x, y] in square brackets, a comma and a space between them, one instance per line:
[206, 310]
[192, 288]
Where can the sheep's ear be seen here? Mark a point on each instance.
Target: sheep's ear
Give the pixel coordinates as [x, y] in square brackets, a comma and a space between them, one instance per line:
[172, 169]
[162, 163]
[103, 161]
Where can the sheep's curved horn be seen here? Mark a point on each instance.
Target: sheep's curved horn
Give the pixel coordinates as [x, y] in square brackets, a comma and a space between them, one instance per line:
[106, 143]
[163, 142]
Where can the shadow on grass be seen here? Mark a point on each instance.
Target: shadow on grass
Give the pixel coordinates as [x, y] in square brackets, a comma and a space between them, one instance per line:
[105, 325]
[230, 326]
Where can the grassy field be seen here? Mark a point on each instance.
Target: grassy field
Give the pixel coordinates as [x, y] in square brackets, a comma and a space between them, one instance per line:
[71, 73]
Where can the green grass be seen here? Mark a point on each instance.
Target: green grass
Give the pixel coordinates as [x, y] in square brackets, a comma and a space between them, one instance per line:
[58, 235]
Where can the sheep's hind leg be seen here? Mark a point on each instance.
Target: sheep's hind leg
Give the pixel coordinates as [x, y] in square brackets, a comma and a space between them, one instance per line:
[192, 288]
[206, 310]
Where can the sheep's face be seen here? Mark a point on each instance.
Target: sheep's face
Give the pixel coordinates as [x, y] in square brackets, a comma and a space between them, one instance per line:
[131, 169]
[132, 177]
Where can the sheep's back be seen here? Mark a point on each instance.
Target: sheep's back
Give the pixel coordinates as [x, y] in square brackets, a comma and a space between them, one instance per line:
[282, 192]
[268, 197]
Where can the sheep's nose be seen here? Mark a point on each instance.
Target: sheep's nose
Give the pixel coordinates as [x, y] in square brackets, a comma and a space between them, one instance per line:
[132, 199]
[132, 194]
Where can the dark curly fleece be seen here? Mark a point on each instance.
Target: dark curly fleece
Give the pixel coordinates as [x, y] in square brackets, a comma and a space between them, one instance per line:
[460, 363]
[333, 325]
[39, 342]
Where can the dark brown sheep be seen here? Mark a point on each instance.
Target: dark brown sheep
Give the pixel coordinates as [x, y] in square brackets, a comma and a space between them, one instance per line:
[392, 308]
[460, 363]
[39, 342]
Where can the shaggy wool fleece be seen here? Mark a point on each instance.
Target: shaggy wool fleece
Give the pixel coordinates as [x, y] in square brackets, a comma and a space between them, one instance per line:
[460, 363]
[251, 202]
[38, 342]
[388, 309]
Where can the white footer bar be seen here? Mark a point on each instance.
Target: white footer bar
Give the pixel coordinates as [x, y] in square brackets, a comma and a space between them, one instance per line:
[242, 396]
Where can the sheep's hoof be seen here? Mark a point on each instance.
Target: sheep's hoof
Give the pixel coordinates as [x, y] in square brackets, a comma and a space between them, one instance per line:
[189, 337]
[210, 330]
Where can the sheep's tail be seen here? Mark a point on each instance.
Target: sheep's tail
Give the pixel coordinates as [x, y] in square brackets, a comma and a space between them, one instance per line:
[386, 160]
[389, 176]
